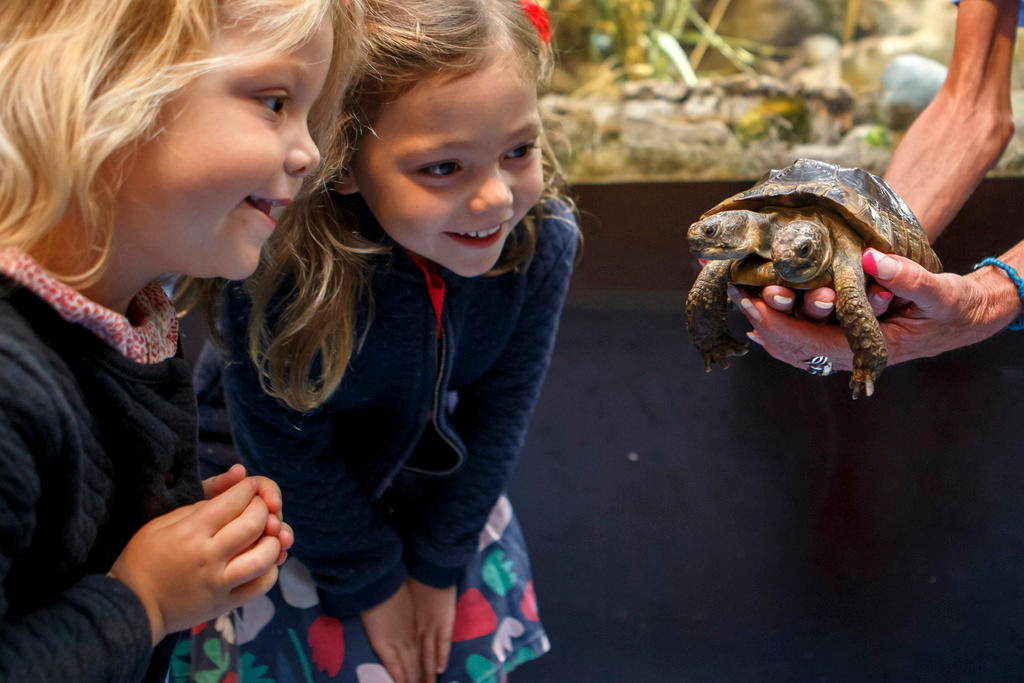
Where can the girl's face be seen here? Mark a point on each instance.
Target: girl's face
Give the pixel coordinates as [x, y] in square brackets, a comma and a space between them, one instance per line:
[201, 197]
[451, 166]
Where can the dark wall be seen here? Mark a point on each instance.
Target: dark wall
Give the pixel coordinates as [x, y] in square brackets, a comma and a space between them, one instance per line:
[757, 524]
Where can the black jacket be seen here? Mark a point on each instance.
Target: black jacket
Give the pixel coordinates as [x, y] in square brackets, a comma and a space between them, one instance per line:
[92, 446]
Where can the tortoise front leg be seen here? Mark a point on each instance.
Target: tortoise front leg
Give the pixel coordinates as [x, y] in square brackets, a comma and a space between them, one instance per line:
[707, 308]
[854, 313]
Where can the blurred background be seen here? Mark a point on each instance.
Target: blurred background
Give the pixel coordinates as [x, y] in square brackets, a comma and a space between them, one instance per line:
[722, 89]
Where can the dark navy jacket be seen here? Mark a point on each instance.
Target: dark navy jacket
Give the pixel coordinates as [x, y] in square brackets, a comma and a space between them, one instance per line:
[386, 478]
[92, 446]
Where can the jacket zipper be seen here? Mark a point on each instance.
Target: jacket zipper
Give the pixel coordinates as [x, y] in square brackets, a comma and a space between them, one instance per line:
[442, 347]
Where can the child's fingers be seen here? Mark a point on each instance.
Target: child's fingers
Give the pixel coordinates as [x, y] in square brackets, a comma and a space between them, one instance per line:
[216, 485]
[400, 663]
[270, 492]
[428, 653]
[216, 512]
[245, 529]
[444, 650]
[273, 526]
[286, 536]
[252, 563]
[254, 588]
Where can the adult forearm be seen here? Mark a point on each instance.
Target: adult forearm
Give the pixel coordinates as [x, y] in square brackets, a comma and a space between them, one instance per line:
[961, 134]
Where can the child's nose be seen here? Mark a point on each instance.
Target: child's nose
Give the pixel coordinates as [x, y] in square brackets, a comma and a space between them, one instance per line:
[493, 192]
[304, 157]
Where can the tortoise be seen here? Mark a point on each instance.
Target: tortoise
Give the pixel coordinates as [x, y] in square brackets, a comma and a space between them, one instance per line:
[803, 226]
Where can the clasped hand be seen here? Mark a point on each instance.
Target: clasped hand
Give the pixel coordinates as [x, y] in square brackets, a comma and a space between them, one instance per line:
[201, 560]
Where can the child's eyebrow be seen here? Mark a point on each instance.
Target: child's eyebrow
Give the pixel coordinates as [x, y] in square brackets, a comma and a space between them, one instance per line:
[427, 144]
[285, 67]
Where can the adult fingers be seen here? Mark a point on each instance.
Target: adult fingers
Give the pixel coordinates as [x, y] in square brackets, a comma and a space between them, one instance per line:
[779, 298]
[880, 299]
[253, 562]
[218, 484]
[903, 277]
[818, 304]
[794, 341]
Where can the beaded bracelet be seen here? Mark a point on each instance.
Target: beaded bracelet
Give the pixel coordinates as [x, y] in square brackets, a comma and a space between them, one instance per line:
[1017, 324]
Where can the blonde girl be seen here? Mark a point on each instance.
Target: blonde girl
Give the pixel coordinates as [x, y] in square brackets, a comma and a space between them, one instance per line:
[383, 363]
[137, 138]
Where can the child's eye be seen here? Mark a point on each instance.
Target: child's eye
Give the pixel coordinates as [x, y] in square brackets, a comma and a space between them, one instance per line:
[521, 151]
[274, 103]
[439, 170]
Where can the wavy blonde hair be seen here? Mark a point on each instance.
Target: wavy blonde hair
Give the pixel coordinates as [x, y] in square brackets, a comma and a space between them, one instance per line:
[84, 81]
[316, 271]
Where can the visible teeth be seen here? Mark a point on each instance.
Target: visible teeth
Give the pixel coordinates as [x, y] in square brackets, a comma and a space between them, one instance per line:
[484, 233]
[264, 205]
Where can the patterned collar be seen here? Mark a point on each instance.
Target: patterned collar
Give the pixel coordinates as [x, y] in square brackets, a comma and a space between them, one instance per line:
[152, 340]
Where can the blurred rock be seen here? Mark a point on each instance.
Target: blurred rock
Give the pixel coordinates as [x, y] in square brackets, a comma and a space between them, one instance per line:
[908, 84]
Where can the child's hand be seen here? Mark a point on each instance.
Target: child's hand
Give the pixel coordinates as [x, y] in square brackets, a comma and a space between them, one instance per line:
[391, 628]
[271, 495]
[199, 561]
[435, 619]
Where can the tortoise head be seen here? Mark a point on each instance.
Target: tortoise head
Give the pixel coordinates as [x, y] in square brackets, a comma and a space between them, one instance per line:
[730, 234]
[801, 250]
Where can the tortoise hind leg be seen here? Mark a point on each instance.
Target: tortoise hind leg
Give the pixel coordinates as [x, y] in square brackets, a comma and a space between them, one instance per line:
[855, 316]
[707, 308]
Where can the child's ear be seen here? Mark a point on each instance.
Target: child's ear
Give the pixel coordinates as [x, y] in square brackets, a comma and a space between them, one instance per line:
[346, 184]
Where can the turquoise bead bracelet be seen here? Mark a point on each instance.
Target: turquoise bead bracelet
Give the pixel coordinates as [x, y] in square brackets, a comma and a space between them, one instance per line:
[1017, 324]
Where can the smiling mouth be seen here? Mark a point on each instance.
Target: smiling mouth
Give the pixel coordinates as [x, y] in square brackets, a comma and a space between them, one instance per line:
[480, 234]
[266, 205]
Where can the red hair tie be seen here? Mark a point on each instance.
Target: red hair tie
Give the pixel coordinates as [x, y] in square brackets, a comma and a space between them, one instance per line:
[539, 18]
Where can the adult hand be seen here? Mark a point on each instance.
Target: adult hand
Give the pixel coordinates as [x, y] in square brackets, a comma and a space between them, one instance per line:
[816, 305]
[933, 313]
[391, 628]
[199, 561]
[435, 619]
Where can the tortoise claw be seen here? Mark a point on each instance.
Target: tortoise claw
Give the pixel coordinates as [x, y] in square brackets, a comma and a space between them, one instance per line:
[720, 351]
[862, 379]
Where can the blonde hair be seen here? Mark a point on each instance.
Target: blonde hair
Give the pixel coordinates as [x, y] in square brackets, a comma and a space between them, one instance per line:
[84, 81]
[316, 271]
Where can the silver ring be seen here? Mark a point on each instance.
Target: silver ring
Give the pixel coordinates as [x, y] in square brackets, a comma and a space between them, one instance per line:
[820, 365]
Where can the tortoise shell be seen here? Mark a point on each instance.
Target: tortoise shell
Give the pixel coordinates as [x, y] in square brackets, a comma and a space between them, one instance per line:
[867, 203]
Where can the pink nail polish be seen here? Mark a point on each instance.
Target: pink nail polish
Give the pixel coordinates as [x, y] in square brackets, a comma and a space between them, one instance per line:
[885, 296]
[867, 262]
[879, 265]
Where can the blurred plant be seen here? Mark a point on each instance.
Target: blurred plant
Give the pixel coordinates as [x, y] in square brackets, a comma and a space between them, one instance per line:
[879, 136]
[650, 38]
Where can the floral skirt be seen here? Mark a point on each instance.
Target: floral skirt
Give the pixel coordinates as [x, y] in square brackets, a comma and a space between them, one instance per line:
[287, 637]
